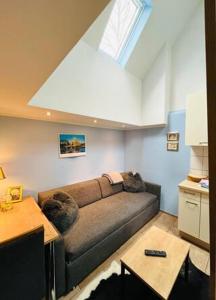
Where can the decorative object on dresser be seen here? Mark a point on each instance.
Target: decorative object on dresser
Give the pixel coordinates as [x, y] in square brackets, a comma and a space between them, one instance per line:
[2, 174]
[72, 145]
[15, 193]
[193, 213]
[5, 203]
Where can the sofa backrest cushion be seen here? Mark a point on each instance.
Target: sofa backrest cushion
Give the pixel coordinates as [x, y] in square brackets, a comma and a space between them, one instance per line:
[83, 193]
[107, 189]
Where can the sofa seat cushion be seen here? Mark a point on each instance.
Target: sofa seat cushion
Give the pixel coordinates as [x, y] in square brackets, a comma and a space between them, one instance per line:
[98, 220]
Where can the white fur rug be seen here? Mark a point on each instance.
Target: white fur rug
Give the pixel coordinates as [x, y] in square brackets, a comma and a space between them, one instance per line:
[85, 292]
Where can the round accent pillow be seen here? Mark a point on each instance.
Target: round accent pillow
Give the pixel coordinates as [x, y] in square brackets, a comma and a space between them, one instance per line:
[62, 210]
[133, 183]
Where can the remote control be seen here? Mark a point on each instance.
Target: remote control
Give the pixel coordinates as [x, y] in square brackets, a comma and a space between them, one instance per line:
[155, 253]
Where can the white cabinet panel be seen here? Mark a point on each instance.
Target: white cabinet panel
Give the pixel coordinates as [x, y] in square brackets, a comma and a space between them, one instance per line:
[204, 219]
[189, 214]
[196, 120]
[193, 215]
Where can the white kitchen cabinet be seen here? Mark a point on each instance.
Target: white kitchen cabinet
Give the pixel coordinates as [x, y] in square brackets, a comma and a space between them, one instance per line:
[193, 213]
[189, 213]
[196, 133]
[204, 219]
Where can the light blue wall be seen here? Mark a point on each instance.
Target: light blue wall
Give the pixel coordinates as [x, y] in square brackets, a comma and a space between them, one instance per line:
[145, 151]
[29, 154]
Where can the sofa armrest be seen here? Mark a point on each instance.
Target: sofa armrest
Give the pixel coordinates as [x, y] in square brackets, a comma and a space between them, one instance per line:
[153, 189]
[60, 269]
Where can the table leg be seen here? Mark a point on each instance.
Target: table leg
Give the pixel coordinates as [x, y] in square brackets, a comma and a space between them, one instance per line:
[187, 268]
[122, 280]
[50, 272]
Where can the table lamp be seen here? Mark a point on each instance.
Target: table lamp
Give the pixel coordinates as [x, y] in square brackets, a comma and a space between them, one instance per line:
[4, 205]
[2, 175]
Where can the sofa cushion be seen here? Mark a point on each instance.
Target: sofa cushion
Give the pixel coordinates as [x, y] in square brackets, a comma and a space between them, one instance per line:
[83, 193]
[107, 189]
[61, 210]
[98, 220]
[134, 183]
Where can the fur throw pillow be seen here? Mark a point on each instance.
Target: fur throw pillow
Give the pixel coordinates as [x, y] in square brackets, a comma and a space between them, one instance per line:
[133, 183]
[61, 210]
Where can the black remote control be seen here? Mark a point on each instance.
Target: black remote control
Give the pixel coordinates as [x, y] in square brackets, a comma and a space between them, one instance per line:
[155, 253]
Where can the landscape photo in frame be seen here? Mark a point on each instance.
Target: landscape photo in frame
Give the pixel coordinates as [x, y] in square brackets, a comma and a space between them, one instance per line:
[72, 145]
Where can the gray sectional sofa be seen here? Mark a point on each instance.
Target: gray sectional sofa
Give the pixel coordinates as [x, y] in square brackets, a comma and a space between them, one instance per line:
[108, 216]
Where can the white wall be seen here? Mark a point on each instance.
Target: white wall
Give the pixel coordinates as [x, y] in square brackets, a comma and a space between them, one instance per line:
[155, 90]
[176, 72]
[188, 60]
[199, 160]
[90, 83]
[29, 154]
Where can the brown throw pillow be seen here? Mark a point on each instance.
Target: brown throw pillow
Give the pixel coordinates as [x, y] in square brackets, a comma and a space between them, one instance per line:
[133, 183]
[62, 210]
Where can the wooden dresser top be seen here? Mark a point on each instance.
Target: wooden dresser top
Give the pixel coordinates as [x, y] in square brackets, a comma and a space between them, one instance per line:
[24, 217]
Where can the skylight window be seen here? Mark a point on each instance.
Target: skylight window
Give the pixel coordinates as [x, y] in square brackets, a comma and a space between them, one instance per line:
[121, 28]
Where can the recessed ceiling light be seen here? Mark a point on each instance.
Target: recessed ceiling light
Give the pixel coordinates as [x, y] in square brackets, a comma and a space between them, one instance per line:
[95, 121]
[48, 113]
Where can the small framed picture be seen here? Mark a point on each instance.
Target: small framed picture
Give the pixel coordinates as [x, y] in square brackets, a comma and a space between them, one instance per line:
[173, 136]
[72, 145]
[174, 146]
[15, 193]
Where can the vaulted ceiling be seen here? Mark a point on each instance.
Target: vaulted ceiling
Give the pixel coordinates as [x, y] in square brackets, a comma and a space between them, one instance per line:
[167, 20]
[37, 35]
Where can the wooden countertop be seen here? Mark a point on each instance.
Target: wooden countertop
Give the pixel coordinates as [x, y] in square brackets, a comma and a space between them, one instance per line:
[190, 185]
[24, 217]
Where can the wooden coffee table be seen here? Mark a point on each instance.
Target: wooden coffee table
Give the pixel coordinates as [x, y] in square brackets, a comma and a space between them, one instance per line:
[158, 273]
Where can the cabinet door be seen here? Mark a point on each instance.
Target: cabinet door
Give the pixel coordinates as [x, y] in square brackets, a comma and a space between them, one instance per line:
[189, 213]
[204, 219]
[196, 120]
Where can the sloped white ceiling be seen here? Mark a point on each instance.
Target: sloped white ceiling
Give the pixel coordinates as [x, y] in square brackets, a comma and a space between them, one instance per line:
[35, 36]
[31, 47]
[167, 20]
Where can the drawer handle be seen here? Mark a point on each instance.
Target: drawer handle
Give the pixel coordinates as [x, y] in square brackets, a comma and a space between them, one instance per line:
[203, 143]
[190, 193]
[192, 203]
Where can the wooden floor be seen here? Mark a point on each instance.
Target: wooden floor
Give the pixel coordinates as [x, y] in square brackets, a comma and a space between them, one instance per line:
[166, 222]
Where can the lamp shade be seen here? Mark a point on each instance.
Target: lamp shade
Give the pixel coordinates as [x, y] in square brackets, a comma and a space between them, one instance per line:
[2, 175]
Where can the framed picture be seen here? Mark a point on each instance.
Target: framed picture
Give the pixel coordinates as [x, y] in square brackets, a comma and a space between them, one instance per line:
[72, 145]
[15, 193]
[172, 146]
[173, 136]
